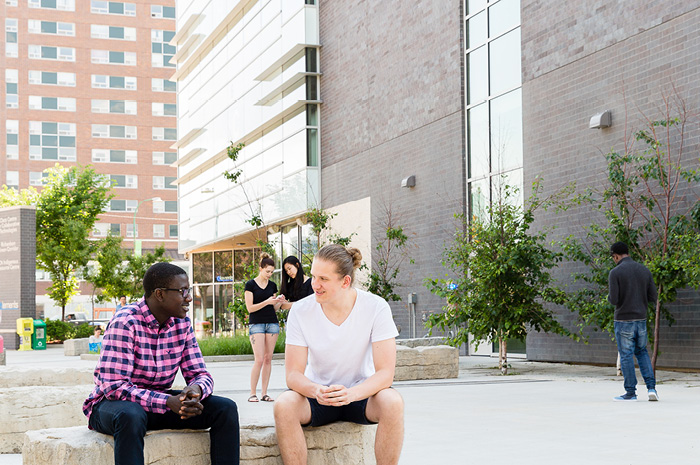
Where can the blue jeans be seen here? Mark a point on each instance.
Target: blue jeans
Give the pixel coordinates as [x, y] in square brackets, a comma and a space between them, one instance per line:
[631, 339]
[128, 423]
[267, 328]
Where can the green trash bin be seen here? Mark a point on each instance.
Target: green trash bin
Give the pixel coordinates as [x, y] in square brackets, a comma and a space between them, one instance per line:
[39, 335]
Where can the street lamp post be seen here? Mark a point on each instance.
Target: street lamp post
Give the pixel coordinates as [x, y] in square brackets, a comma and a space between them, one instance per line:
[133, 231]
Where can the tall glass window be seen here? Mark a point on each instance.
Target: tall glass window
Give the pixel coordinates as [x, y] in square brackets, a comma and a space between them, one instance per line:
[312, 135]
[493, 100]
[494, 106]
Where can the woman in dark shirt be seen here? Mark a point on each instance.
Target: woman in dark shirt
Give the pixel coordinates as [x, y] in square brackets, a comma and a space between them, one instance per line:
[262, 302]
[295, 285]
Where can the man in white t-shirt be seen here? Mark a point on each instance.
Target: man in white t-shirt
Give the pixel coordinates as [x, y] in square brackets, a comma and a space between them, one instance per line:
[340, 360]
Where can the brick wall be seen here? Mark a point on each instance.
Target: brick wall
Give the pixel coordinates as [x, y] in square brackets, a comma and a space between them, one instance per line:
[573, 69]
[391, 87]
[555, 33]
[17, 261]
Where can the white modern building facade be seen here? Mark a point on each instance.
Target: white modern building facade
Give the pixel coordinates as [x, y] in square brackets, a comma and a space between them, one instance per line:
[247, 73]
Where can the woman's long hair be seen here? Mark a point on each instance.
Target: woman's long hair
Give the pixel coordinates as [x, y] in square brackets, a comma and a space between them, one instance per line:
[291, 288]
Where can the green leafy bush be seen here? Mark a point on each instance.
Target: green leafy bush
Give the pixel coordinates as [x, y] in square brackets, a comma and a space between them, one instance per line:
[57, 330]
[233, 345]
[82, 331]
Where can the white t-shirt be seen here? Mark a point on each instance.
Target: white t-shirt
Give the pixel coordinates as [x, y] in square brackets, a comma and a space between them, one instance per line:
[340, 354]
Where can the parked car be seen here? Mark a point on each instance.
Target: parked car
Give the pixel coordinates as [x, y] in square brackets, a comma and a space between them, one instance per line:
[76, 318]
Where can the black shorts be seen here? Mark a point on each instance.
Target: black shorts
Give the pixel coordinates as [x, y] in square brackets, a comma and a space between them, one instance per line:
[324, 414]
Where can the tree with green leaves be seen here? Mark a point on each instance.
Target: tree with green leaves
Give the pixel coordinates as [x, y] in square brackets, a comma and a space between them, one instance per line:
[66, 211]
[118, 272]
[320, 221]
[501, 281]
[649, 204]
[101, 270]
[10, 197]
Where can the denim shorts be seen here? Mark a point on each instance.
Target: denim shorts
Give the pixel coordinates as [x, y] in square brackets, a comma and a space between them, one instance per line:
[267, 328]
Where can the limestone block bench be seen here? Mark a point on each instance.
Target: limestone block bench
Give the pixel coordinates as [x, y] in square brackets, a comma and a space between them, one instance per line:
[426, 362]
[36, 407]
[76, 347]
[334, 444]
[13, 376]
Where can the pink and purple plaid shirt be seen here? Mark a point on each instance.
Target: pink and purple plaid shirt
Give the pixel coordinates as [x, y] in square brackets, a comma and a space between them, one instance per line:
[140, 359]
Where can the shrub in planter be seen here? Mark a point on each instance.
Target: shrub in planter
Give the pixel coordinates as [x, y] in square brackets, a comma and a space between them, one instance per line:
[57, 330]
[82, 331]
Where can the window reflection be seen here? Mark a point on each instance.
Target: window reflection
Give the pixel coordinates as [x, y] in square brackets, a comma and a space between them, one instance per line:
[275, 239]
[202, 266]
[309, 245]
[479, 198]
[476, 30]
[514, 181]
[503, 16]
[290, 241]
[242, 260]
[223, 266]
[223, 320]
[477, 75]
[475, 5]
[312, 147]
[505, 62]
[506, 132]
[478, 137]
[203, 310]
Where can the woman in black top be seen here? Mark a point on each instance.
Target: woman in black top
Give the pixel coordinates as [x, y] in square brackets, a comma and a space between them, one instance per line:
[262, 302]
[295, 285]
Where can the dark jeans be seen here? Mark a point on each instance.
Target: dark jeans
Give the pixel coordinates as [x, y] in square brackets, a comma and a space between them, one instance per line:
[128, 423]
[631, 337]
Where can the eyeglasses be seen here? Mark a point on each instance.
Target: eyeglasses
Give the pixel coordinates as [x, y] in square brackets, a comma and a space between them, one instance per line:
[185, 291]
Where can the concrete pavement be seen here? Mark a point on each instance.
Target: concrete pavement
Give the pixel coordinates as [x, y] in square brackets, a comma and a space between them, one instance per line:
[543, 413]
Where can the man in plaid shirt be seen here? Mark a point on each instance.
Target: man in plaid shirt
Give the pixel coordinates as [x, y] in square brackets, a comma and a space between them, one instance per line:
[144, 346]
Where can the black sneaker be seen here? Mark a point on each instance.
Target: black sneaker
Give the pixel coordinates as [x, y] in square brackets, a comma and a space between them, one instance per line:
[626, 398]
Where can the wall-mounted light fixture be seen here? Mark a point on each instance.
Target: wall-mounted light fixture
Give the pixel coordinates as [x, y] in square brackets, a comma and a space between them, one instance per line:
[601, 120]
[409, 181]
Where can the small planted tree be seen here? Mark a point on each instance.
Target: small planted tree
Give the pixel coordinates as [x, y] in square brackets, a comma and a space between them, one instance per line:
[103, 268]
[501, 282]
[117, 272]
[130, 278]
[390, 254]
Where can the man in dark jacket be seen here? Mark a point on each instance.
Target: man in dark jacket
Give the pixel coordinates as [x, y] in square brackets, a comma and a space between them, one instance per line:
[631, 288]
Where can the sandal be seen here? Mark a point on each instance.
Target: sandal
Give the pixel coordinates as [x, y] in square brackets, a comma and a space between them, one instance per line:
[267, 398]
[254, 398]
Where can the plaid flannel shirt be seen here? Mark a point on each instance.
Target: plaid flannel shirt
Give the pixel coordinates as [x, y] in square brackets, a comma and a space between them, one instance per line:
[140, 359]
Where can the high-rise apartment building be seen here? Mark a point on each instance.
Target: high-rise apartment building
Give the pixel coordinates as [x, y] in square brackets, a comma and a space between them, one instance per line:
[88, 82]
